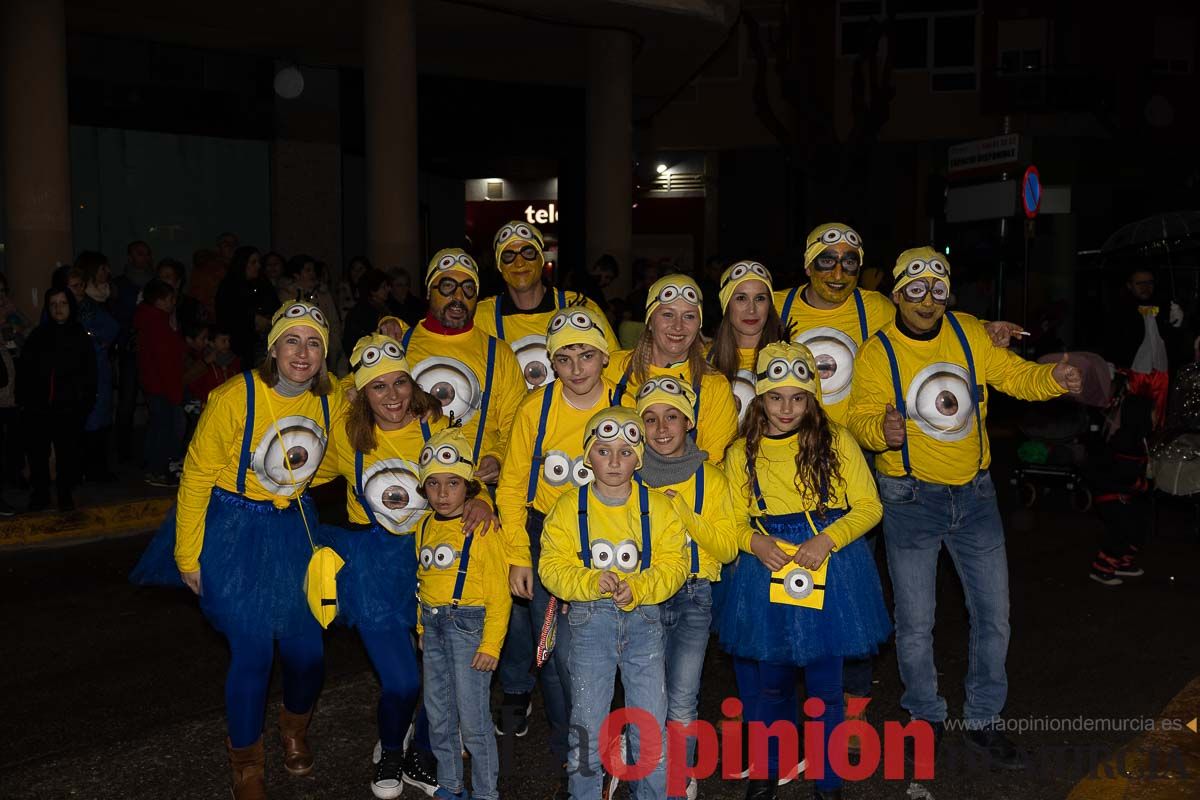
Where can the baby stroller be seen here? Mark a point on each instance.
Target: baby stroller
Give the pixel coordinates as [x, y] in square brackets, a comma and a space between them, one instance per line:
[1175, 461]
[1055, 452]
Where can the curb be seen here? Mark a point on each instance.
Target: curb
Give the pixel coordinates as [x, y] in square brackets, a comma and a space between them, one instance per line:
[87, 523]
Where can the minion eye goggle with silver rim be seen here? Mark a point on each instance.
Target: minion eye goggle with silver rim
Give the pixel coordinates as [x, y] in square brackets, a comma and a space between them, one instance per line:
[835, 235]
[918, 266]
[576, 319]
[441, 557]
[372, 355]
[520, 231]
[298, 310]
[779, 368]
[445, 455]
[450, 261]
[742, 268]
[667, 385]
[672, 292]
[610, 430]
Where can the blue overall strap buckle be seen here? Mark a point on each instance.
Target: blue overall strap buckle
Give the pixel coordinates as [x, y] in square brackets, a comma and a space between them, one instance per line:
[899, 392]
[247, 434]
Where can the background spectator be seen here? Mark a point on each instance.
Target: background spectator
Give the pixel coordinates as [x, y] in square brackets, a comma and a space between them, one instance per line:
[373, 290]
[103, 329]
[302, 281]
[160, 367]
[188, 310]
[245, 303]
[56, 388]
[274, 265]
[139, 268]
[402, 302]
[348, 288]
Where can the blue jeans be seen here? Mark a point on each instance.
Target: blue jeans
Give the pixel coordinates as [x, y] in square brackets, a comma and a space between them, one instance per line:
[515, 674]
[555, 674]
[918, 518]
[457, 699]
[768, 694]
[604, 638]
[164, 433]
[686, 618]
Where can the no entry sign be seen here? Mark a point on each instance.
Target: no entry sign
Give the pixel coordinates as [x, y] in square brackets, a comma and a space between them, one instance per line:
[1031, 192]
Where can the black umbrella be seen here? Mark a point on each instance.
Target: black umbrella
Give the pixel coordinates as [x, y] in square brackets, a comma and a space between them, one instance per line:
[1155, 238]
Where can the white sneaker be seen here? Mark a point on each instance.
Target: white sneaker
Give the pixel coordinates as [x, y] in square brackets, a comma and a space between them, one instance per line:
[693, 789]
[794, 774]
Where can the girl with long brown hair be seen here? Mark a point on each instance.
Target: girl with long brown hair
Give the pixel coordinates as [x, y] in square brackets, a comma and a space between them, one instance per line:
[670, 346]
[804, 593]
[750, 322]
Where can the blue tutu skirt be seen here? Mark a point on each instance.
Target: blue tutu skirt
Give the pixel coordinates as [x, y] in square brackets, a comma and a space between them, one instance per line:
[377, 587]
[852, 623]
[252, 565]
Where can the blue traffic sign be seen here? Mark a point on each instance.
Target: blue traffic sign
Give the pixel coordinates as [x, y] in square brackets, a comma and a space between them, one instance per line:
[1031, 192]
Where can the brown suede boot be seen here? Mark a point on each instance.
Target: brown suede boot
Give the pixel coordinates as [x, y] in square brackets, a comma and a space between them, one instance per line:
[293, 733]
[248, 771]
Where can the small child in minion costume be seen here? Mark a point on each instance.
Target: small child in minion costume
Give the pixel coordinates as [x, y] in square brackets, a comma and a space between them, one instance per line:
[673, 464]
[673, 306]
[463, 616]
[602, 555]
[519, 314]
[242, 535]
[805, 592]
[545, 458]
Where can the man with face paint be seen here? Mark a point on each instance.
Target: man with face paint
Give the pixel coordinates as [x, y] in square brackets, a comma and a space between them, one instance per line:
[473, 375]
[833, 316]
[520, 314]
[919, 400]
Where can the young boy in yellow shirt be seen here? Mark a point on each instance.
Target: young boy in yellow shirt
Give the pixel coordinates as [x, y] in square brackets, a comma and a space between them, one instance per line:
[462, 618]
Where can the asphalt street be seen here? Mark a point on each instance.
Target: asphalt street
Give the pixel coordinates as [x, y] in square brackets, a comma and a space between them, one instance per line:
[112, 691]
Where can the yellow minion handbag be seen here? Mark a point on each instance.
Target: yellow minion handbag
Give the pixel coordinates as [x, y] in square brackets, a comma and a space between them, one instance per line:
[795, 585]
[320, 584]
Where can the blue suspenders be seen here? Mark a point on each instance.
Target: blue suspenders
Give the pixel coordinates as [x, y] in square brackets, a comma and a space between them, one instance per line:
[487, 385]
[858, 303]
[464, 559]
[535, 463]
[585, 549]
[697, 506]
[248, 431]
[898, 389]
[560, 298]
[358, 477]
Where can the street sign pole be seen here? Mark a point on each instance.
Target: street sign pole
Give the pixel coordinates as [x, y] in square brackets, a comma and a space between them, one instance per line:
[1031, 200]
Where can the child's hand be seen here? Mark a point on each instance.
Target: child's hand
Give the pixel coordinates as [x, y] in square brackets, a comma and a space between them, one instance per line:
[622, 595]
[483, 662]
[609, 582]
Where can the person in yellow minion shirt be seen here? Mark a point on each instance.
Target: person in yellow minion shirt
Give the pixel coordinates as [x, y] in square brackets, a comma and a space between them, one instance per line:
[474, 375]
[545, 458]
[805, 593]
[519, 315]
[833, 316]
[749, 322]
[920, 402]
[376, 449]
[462, 619]
[602, 555]
[674, 465]
[242, 535]
[670, 346]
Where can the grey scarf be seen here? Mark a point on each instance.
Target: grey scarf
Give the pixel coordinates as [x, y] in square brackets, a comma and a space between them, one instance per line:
[661, 471]
[290, 389]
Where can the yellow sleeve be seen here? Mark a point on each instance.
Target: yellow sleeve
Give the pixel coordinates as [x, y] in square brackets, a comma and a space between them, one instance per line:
[668, 559]
[715, 531]
[739, 495]
[508, 390]
[514, 481]
[860, 493]
[560, 569]
[330, 466]
[218, 436]
[1013, 375]
[497, 600]
[870, 393]
[718, 417]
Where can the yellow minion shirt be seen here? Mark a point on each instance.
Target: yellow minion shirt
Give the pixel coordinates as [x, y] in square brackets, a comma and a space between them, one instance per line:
[220, 447]
[453, 368]
[717, 421]
[388, 476]
[944, 443]
[713, 529]
[776, 465]
[614, 544]
[525, 331]
[834, 336]
[440, 544]
[561, 464]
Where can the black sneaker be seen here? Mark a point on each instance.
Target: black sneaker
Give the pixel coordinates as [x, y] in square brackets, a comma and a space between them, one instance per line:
[1127, 567]
[420, 770]
[999, 748]
[1103, 571]
[512, 718]
[389, 775]
[910, 757]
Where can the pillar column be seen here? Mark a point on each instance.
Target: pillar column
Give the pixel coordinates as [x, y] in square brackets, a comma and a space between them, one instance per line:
[390, 92]
[609, 210]
[37, 182]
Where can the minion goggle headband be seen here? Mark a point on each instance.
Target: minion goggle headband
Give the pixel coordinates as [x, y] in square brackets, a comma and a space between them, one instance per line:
[787, 364]
[670, 288]
[668, 391]
[517, 231]
[447, 260]
[574, 326]
[376, 355]
[436, 458]
[919, 267]
[611, 429]
[298, 315]
[827, 235]
[739, 273]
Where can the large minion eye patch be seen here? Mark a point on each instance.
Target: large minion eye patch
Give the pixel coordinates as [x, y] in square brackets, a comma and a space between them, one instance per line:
[453, 384]
[834, 353]
[941, 401]
[534, 360]
[793, 585]
[285, 462]
[390, 488]
[743, 391]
